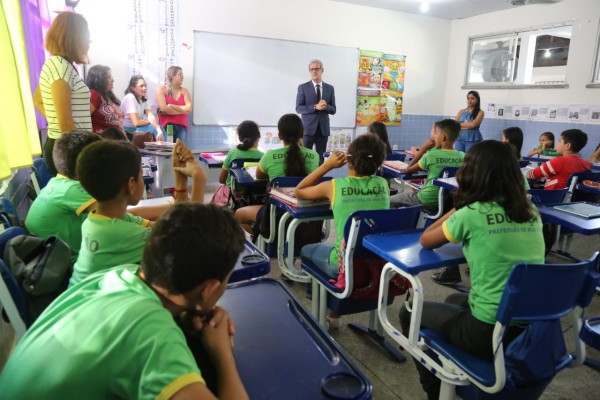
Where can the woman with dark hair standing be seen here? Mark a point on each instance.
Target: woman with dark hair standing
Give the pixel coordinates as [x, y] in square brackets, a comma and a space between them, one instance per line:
[470, 119]
[138, 114]
[174, 104]
[62, 96]
[104, 105]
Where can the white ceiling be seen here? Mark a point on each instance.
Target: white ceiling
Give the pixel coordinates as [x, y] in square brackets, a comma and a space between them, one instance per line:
[448, 9]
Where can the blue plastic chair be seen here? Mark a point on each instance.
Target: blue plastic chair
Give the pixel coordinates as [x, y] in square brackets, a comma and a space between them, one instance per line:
[40, 176]
[577, 178]
[532, 293]
[12, 297]
[241, 196]
[327, 295]
[542, 197]
[427, 217]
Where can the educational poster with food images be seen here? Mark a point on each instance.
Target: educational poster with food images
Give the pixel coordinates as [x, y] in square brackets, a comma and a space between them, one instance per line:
[339, 139]
[380, 88]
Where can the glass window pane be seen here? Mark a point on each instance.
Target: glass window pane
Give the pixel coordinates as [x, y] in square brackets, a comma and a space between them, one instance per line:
[492, 59]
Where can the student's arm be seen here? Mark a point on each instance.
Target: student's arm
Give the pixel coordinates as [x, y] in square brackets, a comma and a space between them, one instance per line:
[595, 156]
[546, 170]
[217, 342]
[429, 144]
[37, 101]
[308, 188]
[473, 124]
[260, 174]
[61, 96]
[534, 152]
[184, 166]
[224, 173]
[434, 237]
[411, 169]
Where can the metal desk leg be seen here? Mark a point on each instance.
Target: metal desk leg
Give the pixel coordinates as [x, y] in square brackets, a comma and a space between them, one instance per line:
[287, 265]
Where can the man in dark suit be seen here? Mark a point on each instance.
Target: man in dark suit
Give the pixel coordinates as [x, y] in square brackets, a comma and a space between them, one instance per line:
[315, 101]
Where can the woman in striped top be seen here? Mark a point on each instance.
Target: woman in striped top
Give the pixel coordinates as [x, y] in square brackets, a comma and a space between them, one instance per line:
[62, 96]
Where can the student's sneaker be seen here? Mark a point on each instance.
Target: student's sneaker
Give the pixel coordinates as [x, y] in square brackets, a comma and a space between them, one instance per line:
[449, 276]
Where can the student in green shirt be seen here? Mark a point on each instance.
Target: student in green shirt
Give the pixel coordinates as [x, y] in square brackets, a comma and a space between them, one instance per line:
[121, 333]
[111, 171]
[546, 147]
[445, 133]
[290, 160]
[63, 204]
[499, 227]
[249, 135]
[514, 136]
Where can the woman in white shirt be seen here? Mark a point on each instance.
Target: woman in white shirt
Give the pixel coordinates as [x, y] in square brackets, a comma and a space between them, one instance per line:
[62, 96]
[138, 115]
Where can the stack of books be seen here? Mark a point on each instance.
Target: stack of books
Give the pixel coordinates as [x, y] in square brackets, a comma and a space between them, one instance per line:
[286, 195]
[396, 165]
[168, 146]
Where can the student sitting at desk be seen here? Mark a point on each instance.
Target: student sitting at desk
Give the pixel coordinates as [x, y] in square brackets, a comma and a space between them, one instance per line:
[444, 155]
[248, 135]
[558, 170]
[63, 204]
[359, 191]
[290, 160]
[115, 334]
[514, 137]
[499, 227]
[111, 171]
[379, 129]
[546, 147]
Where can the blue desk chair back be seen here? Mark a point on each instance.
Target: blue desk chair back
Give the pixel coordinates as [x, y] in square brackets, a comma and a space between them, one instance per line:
[12, 298]
[543, 197]
[361, 273]
[242, 196]
[541, 295]
[445, 201]
[40, 176]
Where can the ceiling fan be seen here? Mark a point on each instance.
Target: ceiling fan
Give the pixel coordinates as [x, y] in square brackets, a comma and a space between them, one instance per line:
[525, 2]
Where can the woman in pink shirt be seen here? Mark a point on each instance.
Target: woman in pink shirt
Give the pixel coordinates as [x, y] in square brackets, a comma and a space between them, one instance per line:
[174, 104]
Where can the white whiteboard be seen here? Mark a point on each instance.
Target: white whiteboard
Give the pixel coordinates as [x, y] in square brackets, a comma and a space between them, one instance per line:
[243, 77]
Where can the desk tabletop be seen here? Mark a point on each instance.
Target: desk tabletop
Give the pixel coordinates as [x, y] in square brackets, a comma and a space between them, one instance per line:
[242, 177]
[302, 212]
[537, 159]
[446, 183]
[394, 173]
[585, 226]
[404, 251]
[247, 267]
[281, 352]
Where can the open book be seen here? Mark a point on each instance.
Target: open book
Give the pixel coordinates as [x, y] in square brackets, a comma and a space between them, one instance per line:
[286, 194]
[396, 165]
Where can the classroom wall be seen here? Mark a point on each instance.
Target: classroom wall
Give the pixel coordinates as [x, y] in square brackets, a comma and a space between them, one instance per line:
[584, 14]
[424, 40]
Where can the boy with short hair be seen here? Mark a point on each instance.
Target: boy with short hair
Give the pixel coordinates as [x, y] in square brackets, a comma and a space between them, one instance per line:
[111, 171]
[558, 170]
[115, 335]
[445, 133]
[63, 204]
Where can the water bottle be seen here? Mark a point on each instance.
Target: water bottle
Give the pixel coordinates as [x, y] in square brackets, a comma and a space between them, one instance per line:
[170, 133]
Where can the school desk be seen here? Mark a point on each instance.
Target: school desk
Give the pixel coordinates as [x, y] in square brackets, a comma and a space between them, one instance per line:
[588, 189]
[210, 162]
[584, 226]
[286, 239]
[407, 257]
[537, 159]
[282, 352]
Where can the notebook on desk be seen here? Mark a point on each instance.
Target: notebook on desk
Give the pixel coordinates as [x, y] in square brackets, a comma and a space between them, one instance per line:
[396, 165]
[584, 210]
[286, 194]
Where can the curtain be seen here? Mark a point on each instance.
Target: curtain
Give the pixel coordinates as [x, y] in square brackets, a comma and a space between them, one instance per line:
[18, 130]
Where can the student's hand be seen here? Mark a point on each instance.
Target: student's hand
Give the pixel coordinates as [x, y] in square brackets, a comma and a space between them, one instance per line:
[415, 149]
[336, 160]
[159, 134]
[217, 339]
[592, 159]
[191, 168]
[181, 154]
[429, 144]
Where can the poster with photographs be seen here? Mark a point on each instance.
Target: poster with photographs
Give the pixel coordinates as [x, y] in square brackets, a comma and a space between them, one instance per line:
[269, 138]
[579, 113]
[549, 112]
[595, 113]
[339, 139]
[380, 88]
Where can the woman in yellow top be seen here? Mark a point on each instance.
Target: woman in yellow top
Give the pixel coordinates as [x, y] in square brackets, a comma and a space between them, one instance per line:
[62, 96]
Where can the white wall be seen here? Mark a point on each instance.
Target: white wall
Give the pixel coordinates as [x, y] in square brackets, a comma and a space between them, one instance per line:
[583, 13]
[423, 40]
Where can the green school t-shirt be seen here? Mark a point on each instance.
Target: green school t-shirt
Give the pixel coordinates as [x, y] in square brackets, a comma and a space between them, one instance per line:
[492, 245]
[59, 211]
[351, 194]
[434, 161]
[108, 242]
[237, 153]
[548, 152]
[107, 338]
[273, 162]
